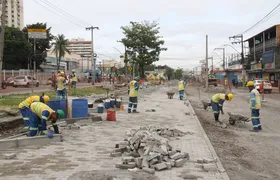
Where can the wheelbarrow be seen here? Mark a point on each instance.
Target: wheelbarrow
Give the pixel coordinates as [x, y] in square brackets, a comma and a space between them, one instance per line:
[170, 94]
[234, 117]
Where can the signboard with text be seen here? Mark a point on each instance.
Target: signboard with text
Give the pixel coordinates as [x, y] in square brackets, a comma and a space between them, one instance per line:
[37, 33]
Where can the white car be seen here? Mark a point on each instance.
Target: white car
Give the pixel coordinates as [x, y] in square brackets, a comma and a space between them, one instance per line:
[267, 85]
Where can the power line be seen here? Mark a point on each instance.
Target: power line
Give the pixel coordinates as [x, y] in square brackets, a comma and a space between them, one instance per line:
[58, 14]
[65, 13]
[272, 11]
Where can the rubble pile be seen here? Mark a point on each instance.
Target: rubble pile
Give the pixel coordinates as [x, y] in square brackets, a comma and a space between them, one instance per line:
[147, 150]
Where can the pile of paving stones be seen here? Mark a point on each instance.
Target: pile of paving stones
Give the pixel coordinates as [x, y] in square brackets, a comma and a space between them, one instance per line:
[146, 149]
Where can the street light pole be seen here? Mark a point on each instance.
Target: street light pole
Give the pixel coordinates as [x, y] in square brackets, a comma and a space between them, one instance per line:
[224, 55]
[2, 37]
[92, 53]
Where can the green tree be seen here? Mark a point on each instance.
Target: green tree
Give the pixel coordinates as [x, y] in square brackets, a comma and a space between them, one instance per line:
[60, 48]
[41, 44]
[178, 73]
[16, 49]
[143, 43]
[169, 72]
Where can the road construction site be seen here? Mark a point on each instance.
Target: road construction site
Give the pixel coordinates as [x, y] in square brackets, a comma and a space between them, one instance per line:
[164, 141]
[245, 155]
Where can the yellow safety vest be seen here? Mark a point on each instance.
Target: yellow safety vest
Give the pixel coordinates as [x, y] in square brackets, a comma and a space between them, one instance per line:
[133, 92]
[181, 85]
[74, 77]
[217, 97]
[38, 108]
[257, 99]
[60, 83]
[28, 101]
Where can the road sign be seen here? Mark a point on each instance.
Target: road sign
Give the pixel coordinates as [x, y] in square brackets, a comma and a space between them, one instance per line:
[37, 33]
[129, 68]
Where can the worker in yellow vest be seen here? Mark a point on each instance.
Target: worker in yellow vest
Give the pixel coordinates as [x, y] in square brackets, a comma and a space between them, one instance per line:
[40, 114]
[61, 86]
[25, 105]
[133, 95]
[74, 79]
[217, 102]
[255, 106]
[181, 89]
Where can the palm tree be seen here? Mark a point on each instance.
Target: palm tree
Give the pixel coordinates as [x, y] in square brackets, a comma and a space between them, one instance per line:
[60, 48]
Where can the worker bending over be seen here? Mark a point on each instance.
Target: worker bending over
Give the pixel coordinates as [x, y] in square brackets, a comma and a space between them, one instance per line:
[181, 88]
[255, 106]
[40, 114]
[217, 102]
[25, 105]
[74, 79]
[61, 86]
[133, 95]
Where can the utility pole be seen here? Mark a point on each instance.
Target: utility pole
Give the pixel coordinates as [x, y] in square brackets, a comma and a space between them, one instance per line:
[2, 37]
[92, 53]
[206, 62]
[224, 56]
[239, 39]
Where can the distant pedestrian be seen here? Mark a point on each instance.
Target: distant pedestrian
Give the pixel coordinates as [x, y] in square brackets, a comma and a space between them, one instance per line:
[181, 89]
[255, 106]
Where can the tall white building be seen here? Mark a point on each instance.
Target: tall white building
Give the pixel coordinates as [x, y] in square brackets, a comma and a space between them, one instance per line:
[14, 13]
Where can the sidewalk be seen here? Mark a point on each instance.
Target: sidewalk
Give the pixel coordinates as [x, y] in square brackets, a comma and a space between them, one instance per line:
[88, 149]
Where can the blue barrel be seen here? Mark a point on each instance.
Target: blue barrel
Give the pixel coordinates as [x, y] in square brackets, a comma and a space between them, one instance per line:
[100, 108]
[63, 105]
[107, 104]
[112, 103]
[79, 108]
[54, 104]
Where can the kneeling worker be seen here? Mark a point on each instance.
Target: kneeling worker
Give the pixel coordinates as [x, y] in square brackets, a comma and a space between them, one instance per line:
[41, 113]
[25, 105]
[217, 102]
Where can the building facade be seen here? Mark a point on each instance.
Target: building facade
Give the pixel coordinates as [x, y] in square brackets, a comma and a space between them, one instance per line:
[14, 13]
[263, 60]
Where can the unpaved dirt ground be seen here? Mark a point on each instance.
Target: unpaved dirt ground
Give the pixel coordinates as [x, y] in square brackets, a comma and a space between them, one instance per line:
[245, 155]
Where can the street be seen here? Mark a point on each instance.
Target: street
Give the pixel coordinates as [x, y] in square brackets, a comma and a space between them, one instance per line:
[85, 152]
[41, 88]
[245, 155]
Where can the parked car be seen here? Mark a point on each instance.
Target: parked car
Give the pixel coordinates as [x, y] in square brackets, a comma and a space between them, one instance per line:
[267, 85]
[10, 81]
[25, 81]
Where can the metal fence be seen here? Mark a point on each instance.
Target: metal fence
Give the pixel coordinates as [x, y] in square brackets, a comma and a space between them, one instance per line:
[42, 77]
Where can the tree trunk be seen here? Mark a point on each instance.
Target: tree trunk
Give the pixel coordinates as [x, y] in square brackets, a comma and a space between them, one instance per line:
[141, 71]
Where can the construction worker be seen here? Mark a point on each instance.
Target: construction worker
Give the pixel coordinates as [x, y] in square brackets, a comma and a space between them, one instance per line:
[181, 88]
[61, 86]
[74, 79]
[25, 105]
[255, 106]
[217, 102]
[133, 94]
[40, 114]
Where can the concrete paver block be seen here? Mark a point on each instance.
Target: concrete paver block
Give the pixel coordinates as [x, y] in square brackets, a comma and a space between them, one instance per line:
[10, 143]
[207, 160]
[209, 167]
[141, 152]
[127, 159]
[180, 162]
[171, 153]
[161, 166]
[153, 156]
[10, 156]
[145, 163]
[138, 162]
[176, 156]
[168, 164]
[126, 166]
[149, 170]
[38, 140]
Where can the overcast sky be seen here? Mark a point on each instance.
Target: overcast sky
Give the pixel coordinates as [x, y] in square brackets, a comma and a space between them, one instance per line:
[183, 23]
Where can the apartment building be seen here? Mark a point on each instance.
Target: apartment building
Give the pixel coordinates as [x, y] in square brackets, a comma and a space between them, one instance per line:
[14, 13]
[263, 60]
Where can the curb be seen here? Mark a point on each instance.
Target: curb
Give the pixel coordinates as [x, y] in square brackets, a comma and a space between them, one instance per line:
[212, 150]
